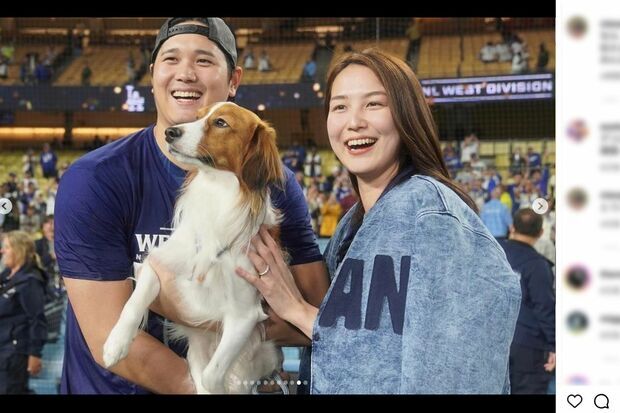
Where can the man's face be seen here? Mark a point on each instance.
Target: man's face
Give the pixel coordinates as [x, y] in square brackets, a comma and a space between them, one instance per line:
[190, 72]
[48, 230]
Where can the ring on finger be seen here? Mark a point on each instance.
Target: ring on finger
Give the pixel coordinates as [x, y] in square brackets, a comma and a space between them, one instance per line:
[265, 271]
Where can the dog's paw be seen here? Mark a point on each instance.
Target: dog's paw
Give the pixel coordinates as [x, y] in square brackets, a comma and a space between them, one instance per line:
[116, 347]
[212, 385]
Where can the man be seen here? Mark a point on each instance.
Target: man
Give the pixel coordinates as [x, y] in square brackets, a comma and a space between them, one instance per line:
[45, 250]
[48, 162]
[116, 203]
[532, 353]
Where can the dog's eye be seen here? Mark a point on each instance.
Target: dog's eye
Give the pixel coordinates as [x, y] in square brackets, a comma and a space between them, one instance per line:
[221, 123]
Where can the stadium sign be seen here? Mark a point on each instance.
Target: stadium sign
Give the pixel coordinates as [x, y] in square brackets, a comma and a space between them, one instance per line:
[489, 88]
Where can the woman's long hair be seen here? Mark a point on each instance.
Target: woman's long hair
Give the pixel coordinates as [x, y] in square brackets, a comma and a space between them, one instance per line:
[410, 111]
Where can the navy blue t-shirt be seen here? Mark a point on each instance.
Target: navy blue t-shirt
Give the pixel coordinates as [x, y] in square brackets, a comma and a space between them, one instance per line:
[112, 206]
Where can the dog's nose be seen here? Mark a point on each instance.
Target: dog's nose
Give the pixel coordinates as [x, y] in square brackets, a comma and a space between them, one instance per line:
[173, 133]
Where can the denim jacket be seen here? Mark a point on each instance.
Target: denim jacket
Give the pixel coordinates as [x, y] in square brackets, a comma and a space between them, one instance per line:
[423, 301]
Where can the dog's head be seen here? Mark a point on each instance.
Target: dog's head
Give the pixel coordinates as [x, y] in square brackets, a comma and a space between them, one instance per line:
[231, 138]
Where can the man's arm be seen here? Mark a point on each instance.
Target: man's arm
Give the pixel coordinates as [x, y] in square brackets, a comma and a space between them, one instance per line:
[149, 363]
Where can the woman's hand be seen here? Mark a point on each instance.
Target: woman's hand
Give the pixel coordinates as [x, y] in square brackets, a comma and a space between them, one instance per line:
[274, 279]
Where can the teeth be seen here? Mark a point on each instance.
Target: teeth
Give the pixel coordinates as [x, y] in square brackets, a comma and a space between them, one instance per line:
[187, 95]
[363, 141]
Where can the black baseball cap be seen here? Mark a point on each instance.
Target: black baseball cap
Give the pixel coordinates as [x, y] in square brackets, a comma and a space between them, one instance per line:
[214, 29]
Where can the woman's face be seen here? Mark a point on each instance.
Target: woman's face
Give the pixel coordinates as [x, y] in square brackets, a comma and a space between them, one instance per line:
[360, 125]
[8, 254]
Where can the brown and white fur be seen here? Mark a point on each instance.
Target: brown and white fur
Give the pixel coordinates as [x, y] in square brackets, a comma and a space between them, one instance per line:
[221, 207]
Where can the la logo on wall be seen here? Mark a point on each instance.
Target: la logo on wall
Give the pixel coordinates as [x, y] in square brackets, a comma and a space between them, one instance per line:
[134, 102]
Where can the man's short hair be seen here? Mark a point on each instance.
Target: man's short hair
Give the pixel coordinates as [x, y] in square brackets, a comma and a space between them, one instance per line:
[527, 222]
[215, 29]
[47, 219]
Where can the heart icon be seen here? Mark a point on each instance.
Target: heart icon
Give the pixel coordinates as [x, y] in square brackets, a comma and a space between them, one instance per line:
[574, 399]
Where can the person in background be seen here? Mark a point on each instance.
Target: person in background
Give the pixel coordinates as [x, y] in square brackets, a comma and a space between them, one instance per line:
[23, 327]
[48, 162]
[532, 353]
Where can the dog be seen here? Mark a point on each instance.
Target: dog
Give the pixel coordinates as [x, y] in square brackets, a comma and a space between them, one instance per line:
[221, 207]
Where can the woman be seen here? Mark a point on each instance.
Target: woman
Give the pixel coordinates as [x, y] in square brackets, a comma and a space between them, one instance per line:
[23, 328]
[414, 240]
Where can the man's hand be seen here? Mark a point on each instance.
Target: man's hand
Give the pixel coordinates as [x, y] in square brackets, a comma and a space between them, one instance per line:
[282, 332]
[34, 365]
[550, 364]
[169, 301]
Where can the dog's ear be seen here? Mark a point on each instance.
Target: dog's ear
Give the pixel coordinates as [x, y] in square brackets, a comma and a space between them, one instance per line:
[262, 165]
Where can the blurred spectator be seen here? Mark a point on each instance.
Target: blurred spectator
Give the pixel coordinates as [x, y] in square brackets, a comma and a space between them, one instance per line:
[543, 58]
[131, 68]
[299, 151]
[28, 162]
[477, 165]
[518, 162]
[299, 177]
[43, 74]
[488, 53]
[466, 174]
[309, 74]
[4, 68]
[29, 179]
[23, 71]
[48, 162]
[45, 250]
[11, 185]
[8, 52]
[517, 45]
[86, 74]
[451, 159]
[264, 64]
[63, 168]
[540, 180]
[314, 207]
[477, 193]
[312, 163]
[415, 38]
[289, 158]
[504, 53]
[495, 216]
[534, 160]
[248, 60]
[469, 146]
[50, 200]
[30, 221]
[331, 212]
[519, 63]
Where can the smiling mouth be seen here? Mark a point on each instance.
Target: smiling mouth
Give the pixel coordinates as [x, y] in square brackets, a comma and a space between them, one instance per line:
[186, 96]
[361, 143]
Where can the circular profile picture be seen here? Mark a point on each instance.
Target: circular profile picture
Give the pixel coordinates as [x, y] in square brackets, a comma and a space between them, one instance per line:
[577, 130]
[577, 322]
[577, 27]
[577, 198]
[577, 277]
